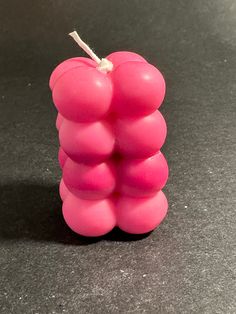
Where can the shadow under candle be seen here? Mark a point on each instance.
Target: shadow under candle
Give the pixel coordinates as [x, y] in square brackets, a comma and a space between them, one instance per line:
[33, 211]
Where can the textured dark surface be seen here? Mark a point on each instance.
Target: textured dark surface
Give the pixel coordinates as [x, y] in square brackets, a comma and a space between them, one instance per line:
[188, 264]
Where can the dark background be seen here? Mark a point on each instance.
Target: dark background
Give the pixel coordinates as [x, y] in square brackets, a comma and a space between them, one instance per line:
[188, 264]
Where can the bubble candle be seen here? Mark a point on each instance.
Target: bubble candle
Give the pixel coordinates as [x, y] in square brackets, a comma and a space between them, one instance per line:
[110, 134]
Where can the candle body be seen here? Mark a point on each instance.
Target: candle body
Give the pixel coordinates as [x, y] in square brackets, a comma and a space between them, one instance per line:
[110, 134]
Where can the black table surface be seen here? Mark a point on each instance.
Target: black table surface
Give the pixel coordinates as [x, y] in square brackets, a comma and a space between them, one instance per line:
[188, 264]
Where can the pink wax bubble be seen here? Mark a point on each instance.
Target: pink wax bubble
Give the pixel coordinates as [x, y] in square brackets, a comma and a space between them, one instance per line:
[62, 156]
[83, 94]
[94, 181]
[142, 177]
[120, 57]
[68, 65]
[64, 192]
[140, 137]
[141, 215]
[139, 89]
[59, 121]
[89, 218]
[87, 142]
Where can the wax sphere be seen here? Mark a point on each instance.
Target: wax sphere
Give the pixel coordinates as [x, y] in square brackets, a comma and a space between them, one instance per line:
[87, 142]
[68, 65]
[142, 177]
[62, 156]
[141, 215]
[89, 218]
[120, 57]
[94, 181]
[83, 94]
[139, 89]
[140, 137]
[63, 191]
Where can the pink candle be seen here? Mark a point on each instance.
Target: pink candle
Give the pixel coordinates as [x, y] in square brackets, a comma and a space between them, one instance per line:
[110, 134]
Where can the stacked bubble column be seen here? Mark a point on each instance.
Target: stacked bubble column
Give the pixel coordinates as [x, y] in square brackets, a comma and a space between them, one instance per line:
[102, 116]
[88, 178]
[140, 132]
[83, 96]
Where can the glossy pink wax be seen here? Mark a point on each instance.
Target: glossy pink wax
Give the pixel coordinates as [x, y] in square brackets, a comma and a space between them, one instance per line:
[139, 89]
[110, 135]
[142, 177]
[140, 137]
[83, 94]
[88, 217]
[141, 215]
[87, 142]
[89, 181]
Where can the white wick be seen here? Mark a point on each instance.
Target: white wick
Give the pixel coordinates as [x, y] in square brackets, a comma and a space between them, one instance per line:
[103, 64]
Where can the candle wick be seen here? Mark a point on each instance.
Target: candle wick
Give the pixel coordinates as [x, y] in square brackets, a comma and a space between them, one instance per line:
[103, 64]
